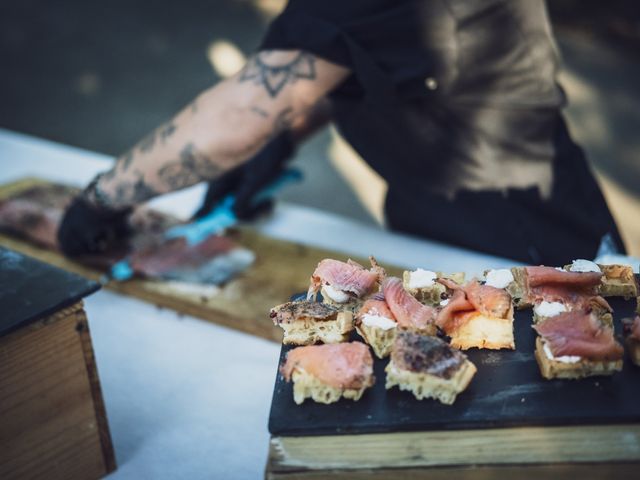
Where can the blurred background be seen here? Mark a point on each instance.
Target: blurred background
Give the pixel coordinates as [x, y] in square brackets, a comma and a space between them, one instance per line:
[100, 75]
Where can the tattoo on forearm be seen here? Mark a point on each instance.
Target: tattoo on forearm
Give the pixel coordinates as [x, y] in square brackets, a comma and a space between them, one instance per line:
[126, 160]
[147, 143]
[191, 168]
[283, 120]
[142, 191]
[274, 77]
[260, 112]
[163, 132]
[125, 194]
[166, 131]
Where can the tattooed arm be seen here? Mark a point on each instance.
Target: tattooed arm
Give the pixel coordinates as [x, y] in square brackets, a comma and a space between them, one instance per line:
[225, 126]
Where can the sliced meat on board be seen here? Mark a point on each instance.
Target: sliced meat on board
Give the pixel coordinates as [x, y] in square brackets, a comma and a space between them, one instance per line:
[35, 213]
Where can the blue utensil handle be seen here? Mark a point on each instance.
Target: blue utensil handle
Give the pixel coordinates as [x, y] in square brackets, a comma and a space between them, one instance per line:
[223, 216]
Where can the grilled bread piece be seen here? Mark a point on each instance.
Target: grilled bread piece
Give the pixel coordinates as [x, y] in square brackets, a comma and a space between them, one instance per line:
[577, 344]
[481, 331]
[379, 339]
[376, 325]
[423, 286]
[618, 281]
[571, 366]
[307, 322]
[518, 288]
[326, 373]
[479, 316]
[428, 367]
[544, 310]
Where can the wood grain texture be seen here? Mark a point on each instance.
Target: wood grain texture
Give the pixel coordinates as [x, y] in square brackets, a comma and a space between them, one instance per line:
[591, 471]
[280, 270]
[108, 453]
[525, 445]
[49, 427]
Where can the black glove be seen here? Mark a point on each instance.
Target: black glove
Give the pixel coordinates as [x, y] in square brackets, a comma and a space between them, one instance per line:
[246, 180]
[90, 229]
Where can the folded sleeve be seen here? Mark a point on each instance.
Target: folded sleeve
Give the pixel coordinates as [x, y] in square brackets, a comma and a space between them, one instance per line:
[345, 33]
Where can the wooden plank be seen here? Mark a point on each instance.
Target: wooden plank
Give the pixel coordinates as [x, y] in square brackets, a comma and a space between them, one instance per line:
[49, 425]
[281, 269]
[108, 453]
[590, 471]
[602, 443]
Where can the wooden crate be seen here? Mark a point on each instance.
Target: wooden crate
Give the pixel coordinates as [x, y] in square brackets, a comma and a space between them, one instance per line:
[53, 423]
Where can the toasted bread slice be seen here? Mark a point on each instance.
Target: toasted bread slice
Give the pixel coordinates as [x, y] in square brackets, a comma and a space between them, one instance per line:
[379, 339]
[426, 385]
[325, 373]
[596, 304]
[307, 322]
[434, 293]
[618, 281]
[428, 367]
[352, 305]
[551, 367]
[307, 331]
[518, 288]
[480, 331]
[306, 386]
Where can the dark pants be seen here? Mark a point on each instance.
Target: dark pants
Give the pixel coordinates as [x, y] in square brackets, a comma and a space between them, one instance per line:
[519, 224]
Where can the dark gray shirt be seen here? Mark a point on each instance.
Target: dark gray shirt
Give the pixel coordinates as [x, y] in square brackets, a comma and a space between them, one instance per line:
[455, 103]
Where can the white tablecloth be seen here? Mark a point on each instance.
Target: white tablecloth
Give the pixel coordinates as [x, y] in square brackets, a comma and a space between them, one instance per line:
[186, 398]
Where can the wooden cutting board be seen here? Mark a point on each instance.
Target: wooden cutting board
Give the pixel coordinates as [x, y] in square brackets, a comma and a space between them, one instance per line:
[280, 269]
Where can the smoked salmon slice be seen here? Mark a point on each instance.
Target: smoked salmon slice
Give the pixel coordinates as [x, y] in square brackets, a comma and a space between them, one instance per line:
[579, 333]
[341, 365]
[349, 277]
[408, 312]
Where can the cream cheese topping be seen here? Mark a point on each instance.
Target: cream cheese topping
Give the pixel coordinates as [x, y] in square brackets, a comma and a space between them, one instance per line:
[421, 278]
[334, 294]
[378, 321]
[500, 278]
[444, 302]
[549, 309]
[563, 358]
[583, 266]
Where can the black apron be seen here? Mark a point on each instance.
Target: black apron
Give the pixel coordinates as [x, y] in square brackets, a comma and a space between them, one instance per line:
[455, 103]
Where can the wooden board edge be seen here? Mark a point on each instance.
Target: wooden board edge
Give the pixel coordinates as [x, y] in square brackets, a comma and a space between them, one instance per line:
[583, 471]
[521, 445]
[139, 289]
[108, 452]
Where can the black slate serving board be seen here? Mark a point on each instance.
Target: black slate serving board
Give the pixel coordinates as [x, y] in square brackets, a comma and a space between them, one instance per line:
[507, 391]
[30, 289]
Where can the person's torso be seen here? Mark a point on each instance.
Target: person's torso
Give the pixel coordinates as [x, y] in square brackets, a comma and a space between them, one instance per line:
[475, 96]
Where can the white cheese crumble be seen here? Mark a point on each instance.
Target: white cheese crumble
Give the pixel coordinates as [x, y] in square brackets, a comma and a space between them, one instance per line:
[582, 265]
[444, 302]
[378, 321]
[549, 309]
[421, 278]
[500, 278]
[334, 294]
[563, 358]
